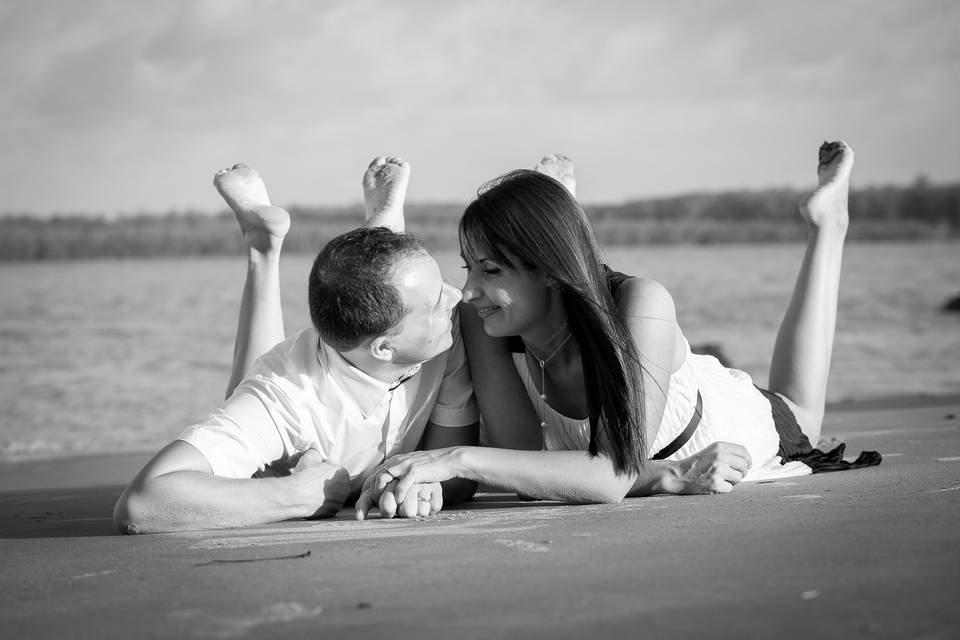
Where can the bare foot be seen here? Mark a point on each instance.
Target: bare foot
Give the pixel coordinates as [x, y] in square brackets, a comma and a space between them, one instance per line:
[827, 205]
[828, 444]
[263, 225]
[559, 167]
[384, 191]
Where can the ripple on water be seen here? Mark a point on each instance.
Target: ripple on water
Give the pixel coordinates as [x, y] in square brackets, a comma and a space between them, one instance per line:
[121, 355]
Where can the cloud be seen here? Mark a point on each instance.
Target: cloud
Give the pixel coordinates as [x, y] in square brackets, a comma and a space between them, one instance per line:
[153, 96]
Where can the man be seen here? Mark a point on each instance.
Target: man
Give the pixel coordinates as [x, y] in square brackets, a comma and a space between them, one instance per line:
[382, 371]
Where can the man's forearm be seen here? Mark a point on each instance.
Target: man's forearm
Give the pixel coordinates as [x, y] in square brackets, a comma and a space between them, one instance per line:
[189, 500]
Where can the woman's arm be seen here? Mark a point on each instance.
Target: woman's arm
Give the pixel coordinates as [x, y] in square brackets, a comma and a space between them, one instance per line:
[569, 476]
[509, 419]
[648, 310]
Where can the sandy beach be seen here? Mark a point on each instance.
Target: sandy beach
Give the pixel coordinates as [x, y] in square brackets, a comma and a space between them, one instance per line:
[871, 552]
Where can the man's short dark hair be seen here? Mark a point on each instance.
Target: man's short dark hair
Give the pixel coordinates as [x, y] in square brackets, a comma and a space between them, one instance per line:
[350, 290]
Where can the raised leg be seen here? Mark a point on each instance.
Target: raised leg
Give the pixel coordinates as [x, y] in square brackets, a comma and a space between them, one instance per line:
[384, 191]
[804, 346]
[559, 167]
[260, 324]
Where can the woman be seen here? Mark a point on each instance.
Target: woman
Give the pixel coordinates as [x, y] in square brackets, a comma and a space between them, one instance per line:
[589, 372]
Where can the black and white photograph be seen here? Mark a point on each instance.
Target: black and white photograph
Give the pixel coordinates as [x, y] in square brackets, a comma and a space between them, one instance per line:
[441, 319]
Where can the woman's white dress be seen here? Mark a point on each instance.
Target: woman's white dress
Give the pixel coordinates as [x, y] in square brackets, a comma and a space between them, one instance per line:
[733, 411]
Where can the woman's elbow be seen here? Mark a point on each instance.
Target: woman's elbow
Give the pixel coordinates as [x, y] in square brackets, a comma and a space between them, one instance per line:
[610, 495]
[610, 492]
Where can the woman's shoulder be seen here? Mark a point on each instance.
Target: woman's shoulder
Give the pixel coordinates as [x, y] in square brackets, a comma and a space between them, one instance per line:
[644, 297]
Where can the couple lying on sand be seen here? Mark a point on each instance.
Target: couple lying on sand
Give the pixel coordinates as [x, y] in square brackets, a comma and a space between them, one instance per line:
[587, 387]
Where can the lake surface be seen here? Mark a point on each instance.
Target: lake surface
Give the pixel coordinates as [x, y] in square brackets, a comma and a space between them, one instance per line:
[122, 355]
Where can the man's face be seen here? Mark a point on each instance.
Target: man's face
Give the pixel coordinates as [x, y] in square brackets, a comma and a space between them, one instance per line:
[425, 330]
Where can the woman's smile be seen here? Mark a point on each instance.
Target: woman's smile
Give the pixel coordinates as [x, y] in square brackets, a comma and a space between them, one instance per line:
[485, 311]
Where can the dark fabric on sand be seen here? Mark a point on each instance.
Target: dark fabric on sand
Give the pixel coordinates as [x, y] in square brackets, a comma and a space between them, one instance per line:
[794, 445]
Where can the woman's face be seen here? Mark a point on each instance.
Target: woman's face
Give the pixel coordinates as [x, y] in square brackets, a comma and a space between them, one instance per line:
[510, 302]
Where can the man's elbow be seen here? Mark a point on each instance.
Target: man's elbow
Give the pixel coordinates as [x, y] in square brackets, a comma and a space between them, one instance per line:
[131, 513]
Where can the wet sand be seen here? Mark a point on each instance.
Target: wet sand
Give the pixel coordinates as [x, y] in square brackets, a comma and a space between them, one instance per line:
[873, 552]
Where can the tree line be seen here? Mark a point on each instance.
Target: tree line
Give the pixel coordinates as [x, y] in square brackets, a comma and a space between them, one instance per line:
[921, 210]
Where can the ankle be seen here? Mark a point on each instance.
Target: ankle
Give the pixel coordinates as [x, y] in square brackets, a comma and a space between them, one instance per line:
[829, 230]
[264, 255]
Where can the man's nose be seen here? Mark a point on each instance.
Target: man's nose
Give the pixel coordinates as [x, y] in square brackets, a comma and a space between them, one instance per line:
[454, 295]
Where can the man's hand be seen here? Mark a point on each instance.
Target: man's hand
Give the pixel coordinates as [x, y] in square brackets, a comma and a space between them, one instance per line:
[714, 470]
[392, 489]
[319, 478]
[404, 474]
[380, 490]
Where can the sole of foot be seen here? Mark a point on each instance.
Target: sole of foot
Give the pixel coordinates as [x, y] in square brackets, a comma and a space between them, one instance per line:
[826, 207]
[263, 225]
[385, 188]
[560, 168]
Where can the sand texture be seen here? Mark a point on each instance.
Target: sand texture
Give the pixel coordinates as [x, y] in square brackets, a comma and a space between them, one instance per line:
[871, 553]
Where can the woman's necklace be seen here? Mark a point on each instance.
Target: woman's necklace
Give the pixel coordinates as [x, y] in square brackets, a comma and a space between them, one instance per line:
[543, 364]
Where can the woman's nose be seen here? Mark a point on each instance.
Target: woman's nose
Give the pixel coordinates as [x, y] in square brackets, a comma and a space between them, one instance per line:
[469, 291]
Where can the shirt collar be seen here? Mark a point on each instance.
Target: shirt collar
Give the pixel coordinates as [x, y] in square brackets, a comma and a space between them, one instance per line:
[366, 391]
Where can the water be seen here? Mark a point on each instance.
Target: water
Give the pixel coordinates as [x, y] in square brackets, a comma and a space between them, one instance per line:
[121, 355]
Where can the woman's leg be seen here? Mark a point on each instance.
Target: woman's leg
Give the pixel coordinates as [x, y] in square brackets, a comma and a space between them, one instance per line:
[264, 226]
[560, 168]
[801, 356]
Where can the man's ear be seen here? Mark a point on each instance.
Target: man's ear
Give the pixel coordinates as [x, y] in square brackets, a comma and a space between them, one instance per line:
[381, 349]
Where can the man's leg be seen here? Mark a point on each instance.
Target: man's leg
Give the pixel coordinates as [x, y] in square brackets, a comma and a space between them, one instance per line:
[260, 324]
[384, 191]
[801, 356]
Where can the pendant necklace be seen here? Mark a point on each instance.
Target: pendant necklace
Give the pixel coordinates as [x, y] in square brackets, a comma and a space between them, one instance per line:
[543, 375]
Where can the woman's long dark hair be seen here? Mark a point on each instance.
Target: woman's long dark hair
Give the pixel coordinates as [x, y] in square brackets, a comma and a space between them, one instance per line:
[534, 218]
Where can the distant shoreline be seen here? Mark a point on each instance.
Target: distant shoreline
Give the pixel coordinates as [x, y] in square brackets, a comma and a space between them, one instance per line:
[921, 211]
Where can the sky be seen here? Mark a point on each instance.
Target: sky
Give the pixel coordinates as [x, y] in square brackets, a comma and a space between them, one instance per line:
[129, 106]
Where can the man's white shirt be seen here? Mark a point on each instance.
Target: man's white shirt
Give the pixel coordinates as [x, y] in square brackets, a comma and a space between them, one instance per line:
[303, 394]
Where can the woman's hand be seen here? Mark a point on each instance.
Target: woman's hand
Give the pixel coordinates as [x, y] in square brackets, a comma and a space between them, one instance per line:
[425, 499]
[714, 470]
[408, 484]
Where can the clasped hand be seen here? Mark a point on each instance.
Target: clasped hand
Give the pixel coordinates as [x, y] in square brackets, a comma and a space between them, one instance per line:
[407, 485]
[714, 470]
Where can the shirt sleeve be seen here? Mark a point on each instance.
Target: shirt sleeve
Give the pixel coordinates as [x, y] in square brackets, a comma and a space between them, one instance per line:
[455, 405]
[242, 436]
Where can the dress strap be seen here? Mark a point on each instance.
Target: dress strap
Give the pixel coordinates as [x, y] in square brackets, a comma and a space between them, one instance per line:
[687, 433]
